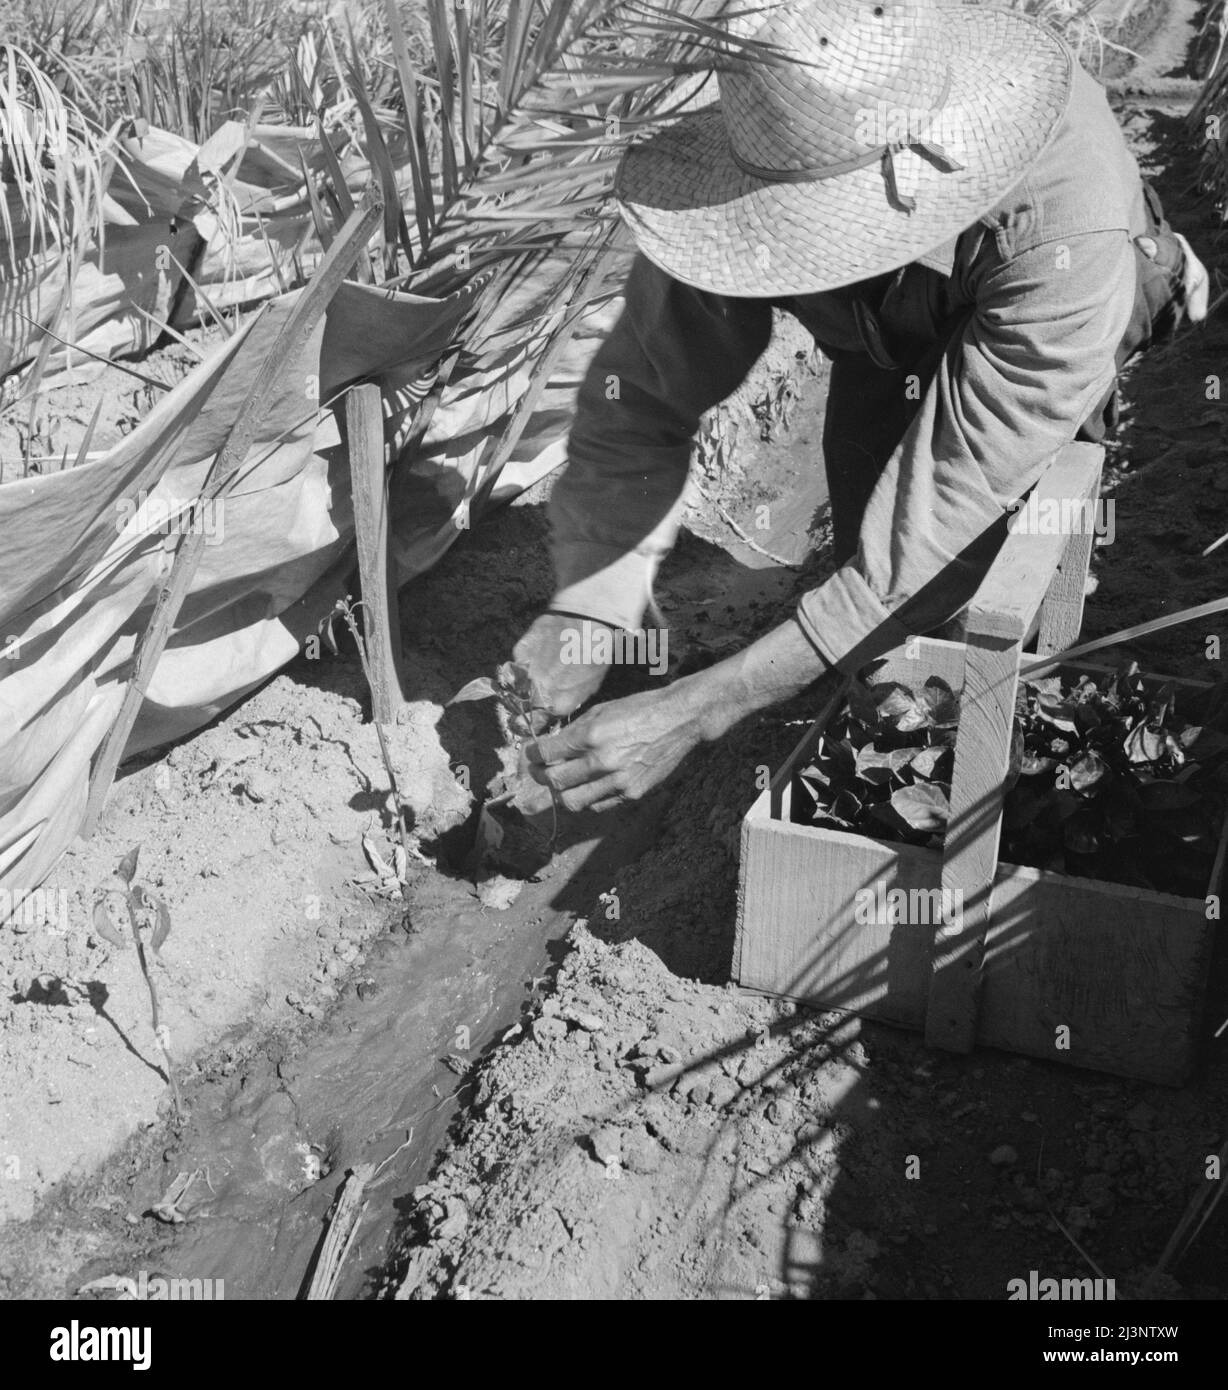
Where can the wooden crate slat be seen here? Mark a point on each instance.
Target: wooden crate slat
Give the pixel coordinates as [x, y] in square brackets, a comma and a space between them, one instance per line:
[1010, 598]
[804, 946]
[1123, 971]
[970, 860]
[919, 659]
[1061, 614]
[1001, 616]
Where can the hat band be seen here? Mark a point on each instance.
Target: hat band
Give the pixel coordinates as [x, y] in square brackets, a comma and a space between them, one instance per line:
[886, 153]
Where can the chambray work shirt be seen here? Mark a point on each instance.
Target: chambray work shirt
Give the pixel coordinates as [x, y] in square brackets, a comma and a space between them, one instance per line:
[1010, 334]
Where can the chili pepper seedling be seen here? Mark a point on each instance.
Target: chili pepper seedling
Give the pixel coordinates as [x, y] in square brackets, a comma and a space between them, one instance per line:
[347, 609]
[1105, 780]
[127, 912]
[512, 687]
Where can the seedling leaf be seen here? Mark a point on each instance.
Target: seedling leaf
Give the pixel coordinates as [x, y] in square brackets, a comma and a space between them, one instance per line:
[1088, 772]
[924, 806]
[105, 912]
[1034, 764]
[127, 865]
[375, 859]
[1143, 744]
[1060, 713]
[934, 764]
[940, 703]
[483, 688]
[846, 807]
[896, 703]
[514, 677]
[873, 766]
[163, 928]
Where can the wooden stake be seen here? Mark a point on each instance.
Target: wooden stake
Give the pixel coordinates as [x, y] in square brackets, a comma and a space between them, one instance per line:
[970, 857]
[1061, 614]
[381, 625]
[300, 324]
[1024, 578]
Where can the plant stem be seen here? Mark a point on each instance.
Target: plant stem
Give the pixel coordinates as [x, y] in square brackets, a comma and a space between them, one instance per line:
[347, 611]
[153, 1000]
[523, 709]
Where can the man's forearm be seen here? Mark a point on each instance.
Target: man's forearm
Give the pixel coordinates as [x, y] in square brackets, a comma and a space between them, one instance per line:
[617, 752]
[774, 668]
[614, 514]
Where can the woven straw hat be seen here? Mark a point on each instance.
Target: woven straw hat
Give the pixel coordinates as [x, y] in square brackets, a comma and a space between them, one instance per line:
[873, 133]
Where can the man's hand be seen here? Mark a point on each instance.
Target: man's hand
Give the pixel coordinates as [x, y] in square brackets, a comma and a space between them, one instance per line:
[618, 752]
[559, 687]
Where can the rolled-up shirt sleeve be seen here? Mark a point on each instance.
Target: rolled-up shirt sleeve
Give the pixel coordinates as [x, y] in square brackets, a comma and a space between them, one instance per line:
[1033, 362]
[614, 514]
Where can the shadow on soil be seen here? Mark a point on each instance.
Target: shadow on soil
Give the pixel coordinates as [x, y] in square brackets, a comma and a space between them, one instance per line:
[378, 1081]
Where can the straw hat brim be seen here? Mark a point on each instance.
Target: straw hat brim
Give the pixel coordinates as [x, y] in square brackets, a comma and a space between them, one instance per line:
[695, 213]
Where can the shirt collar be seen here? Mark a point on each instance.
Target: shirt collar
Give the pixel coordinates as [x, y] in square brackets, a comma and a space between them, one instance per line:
[941, 258]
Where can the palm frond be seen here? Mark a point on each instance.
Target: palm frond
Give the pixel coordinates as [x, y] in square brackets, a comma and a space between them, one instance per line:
[53, 163]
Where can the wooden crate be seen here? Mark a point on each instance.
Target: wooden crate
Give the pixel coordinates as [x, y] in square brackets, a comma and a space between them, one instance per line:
[1071, 970]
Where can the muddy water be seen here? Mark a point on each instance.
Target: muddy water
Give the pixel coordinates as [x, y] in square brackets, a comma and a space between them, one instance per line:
[373, 1076]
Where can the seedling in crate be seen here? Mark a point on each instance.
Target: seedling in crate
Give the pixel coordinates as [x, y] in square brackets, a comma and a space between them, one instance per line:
[885, 769]
[1113, 783]
[126, 912]
[1105, 780]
